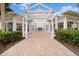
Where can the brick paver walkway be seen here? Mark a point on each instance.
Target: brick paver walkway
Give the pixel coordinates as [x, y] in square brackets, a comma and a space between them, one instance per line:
[37, 44]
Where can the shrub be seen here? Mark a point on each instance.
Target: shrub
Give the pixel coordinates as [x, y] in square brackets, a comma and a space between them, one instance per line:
[68, 36]
[7, 37]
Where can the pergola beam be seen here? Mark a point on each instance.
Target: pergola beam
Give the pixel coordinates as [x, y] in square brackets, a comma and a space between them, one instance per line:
[33, 6]
[33, 12]
[46, 7]
[40, 4]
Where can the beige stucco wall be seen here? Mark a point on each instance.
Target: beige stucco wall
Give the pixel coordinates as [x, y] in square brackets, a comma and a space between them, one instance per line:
[69, 18]
[60, 19]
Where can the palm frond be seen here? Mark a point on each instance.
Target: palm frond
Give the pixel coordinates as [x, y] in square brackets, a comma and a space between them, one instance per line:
[7, 7]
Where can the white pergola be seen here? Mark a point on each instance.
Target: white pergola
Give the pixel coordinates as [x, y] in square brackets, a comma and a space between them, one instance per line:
[39, 17]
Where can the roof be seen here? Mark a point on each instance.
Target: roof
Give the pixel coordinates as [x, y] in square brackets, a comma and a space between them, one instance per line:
[73, 13]
[11, 13]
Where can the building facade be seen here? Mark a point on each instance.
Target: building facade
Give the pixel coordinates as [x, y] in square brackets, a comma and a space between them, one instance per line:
[41, 20]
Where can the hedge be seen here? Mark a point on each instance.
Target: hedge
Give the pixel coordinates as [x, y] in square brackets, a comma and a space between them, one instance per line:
[68, 36]
[7, 37]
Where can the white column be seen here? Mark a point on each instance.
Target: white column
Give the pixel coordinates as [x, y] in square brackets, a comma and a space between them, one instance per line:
[65, 23]
[6, 26]
[56, 23]
[23, 27]
[14, 24]
[52, 32]
[45, 28]
[49, 27]
[26, 27]
[30, 27]
[34, 28]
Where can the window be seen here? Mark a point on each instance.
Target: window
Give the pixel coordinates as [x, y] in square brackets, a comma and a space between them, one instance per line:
[60, 25]
[10, 26]
[69, 24]
[19, 27]
[72, 25]
[28, 27]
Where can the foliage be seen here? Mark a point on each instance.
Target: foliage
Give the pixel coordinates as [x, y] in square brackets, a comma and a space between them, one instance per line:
[49, 21]
[7, 7]
[7, 37]
[68, 36]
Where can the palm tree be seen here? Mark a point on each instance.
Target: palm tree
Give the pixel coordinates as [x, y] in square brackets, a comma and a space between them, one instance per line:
[7, 9]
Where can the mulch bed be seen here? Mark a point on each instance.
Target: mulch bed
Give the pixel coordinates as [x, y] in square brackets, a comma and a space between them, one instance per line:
[74, 49]
[4, 47]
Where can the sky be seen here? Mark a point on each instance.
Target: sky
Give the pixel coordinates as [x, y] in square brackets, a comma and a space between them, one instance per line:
[57, 7]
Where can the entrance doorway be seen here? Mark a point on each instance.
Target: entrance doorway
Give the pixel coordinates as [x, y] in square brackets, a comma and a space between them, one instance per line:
[39, 28]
